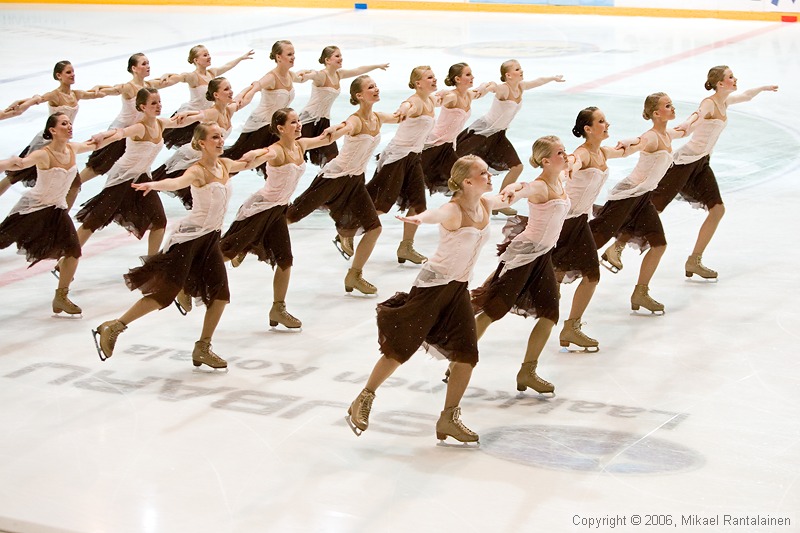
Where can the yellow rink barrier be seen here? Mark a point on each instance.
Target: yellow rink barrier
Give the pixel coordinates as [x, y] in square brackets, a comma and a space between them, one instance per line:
[447, 6]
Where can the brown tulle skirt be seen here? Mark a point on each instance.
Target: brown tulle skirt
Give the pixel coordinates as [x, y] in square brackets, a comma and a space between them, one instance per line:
[346, 199]
[496, 149]
[252, 140]
[529, 290]
[44, 234]
[195, 266]
[634, 220]
[438, 318]
[100, 161]
[695, 182]
[401, 183]
[264, 234]
[437, 162]
[131, 209]
[27, 175]
[174, 137]
[575, 254]
[323, 154]
[184, 195]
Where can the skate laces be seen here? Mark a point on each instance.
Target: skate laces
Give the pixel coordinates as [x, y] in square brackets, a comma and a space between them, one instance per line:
[456, 420]
[365, 406]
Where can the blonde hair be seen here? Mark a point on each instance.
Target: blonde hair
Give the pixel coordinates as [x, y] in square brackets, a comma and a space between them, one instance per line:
[355, 88]
[715, 75]
[542, 148]
[277, 48]
[651, 104]
[201, 132]
[505, 67]
[194, 51]
[416, 75]
[327, 52]
[461, 171]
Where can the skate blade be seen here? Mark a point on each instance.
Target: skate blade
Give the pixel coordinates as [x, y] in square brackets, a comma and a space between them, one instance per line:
[521, 394]
[56, 273]
[702, 280]
[183, 311]
[338, 246]
[280, 328]
[460, 446]
[644, 312]
[205, 369]
[574, 348]
[67, 316]
[355, 293]
[608, 266]
[357, 432]
[100, 353]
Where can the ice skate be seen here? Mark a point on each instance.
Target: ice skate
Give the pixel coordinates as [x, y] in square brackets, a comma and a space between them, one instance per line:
[56, 271]
[612, 257]
[694, 265]
[507, 211]
[238, 260]
[353, 280]
[641, 298]
[279, 315]
[202, 355]
[450, 425]
[358, 412]
[447, 372]
[105, 337]
[62, 304]
[526, 377]
[345, 246]
[406, 252]
[572, 334]
[183, 302]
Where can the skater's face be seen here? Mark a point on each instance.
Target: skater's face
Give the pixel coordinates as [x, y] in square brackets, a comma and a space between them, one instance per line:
[286, 57]
[369, 91]
[557, 158]
[514, 72]
[466, 79]
[665, 111]
[292, 128]
[599, 127]
[335, 59]
[728, 82]
[203, 58]
[142, 67]
[67, 75]
[224, 93]
[480, 177]
[152, 107]
[214, 142]
[62, 129]
[427, 83]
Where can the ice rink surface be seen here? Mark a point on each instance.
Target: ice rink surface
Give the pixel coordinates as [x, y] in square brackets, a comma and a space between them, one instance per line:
[695, 414]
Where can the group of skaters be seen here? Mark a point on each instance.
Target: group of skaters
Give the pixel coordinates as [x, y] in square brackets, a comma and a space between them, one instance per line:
[557, 243]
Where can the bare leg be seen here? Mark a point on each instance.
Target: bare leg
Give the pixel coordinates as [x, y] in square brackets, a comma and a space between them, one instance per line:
[83, 235]
[482, 322]
[144, 306]
[384, 368]
[154, 239]
[72, 194]
[511, 176]
[365, 247]
[649, 264]
[280, 283]
[5, 183]
[708, 228]
[211, 320]
[537, 339]
[409, 230]
[68, 266]
[583, 295]
[460, 374]
[87, 174]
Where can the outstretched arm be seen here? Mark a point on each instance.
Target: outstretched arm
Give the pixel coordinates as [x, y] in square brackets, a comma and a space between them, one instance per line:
[538, 82]
[358, 71]
[448, 215]
[253, 158]
[170, 184]
[219, 71]
[746, 96]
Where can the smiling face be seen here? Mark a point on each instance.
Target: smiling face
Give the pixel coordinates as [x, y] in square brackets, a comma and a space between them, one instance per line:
[480, 177]
[427, 82]
[212, 140]
[728, 82]
[557, 158]
[62, 129]
[152, 107]
[335, 59]
[291, 128]
[67, 75]
[224, 92]
[599, 127]
[369, 92]
[466, 79]
[203, 57]
[286, 56]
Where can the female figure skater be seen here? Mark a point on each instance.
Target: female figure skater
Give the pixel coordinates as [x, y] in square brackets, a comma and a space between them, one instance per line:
[691, 174]
[326, 86]
[63, 99]
[339, 186]
[486, 137]
[399, 178]
[628, 213]
[437, 313]
[191, 260]
[198, 81]
[39, 223]
[223, 108]
[118, 202]
[260, 226]
[575, 253]
[524, 282]
[439, 152]
[277, 92]
[101, 160]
